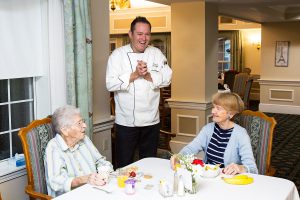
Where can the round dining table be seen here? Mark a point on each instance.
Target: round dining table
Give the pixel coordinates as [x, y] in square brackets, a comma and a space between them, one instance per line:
[157, 169]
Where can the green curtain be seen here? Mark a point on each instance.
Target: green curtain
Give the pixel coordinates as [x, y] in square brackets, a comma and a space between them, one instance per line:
[236, 51]
[78, 53]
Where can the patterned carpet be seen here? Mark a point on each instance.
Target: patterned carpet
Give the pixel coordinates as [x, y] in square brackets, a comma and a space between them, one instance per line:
[286, 147]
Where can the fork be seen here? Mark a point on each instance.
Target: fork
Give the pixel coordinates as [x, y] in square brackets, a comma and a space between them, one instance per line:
[102, 189]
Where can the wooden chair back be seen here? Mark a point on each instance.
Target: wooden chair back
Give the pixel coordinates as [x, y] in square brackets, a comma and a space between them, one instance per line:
[260, 128]
[164, 109]
[247, 70]
[35, 138]
[239, 85]
[246, 97]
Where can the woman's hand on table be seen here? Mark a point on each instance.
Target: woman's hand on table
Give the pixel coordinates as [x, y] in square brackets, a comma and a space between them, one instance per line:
[173, 161]
[98, 179]
[234, 169]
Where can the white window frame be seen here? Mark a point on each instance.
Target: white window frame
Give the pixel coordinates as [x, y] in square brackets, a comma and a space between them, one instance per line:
[50, 88]
[9, 103]
[222, 61]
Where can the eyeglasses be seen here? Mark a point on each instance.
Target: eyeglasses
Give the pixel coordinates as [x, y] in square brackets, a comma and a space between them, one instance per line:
[80, 122]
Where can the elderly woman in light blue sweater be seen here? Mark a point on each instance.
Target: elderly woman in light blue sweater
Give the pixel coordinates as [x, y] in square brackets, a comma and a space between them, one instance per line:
[223, 141]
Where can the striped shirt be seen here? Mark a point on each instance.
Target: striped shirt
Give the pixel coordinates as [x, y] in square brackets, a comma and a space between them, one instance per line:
[217, 145]
[63, 164]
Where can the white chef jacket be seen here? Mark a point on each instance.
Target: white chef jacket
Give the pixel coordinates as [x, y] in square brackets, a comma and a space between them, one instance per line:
[137, 102]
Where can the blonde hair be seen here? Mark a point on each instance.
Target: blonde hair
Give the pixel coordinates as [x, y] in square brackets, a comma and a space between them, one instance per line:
[230, 101]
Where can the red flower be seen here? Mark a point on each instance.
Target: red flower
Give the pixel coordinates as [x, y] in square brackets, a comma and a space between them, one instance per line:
[198, 162]
[132, 174]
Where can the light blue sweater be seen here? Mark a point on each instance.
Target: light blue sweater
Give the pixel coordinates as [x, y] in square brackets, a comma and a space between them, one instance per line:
[238, 149]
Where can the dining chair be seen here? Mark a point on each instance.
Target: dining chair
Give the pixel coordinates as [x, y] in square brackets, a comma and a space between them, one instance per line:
[167, 135]
[229, 77]
[239, 85]
[246, 96]
[164, 109]
[35, 138]
[165, 120]
[247, 70]
[164, 149]
[260, 128]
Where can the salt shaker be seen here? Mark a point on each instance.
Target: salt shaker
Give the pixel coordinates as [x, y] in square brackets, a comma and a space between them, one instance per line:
[165, 189]
[180, 191]
[175, 183]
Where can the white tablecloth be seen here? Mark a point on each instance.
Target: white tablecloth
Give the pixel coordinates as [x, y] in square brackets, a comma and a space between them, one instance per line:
[263, 188]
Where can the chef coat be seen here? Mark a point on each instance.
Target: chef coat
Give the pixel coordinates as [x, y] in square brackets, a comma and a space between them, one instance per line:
[137, 102]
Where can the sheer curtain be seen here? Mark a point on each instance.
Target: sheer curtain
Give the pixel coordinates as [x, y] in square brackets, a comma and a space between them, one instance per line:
[55, 59]
[78, 55]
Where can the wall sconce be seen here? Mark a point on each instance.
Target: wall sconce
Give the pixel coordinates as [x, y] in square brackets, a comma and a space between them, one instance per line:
[258, 45]
[119, 4]
[255, 40]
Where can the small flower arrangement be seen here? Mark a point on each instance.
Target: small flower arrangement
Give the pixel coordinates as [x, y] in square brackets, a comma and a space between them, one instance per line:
[191, 163]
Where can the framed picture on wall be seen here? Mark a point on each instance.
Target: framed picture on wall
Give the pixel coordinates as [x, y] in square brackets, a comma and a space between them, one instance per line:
[282, 53]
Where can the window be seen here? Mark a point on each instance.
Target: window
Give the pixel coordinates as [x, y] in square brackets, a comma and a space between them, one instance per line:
[224, 55]
[16, 111]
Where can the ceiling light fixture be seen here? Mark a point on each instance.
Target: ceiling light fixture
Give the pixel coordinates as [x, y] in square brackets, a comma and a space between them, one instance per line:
[119, 4]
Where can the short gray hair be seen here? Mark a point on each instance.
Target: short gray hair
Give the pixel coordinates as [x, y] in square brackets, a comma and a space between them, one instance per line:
[63, 116]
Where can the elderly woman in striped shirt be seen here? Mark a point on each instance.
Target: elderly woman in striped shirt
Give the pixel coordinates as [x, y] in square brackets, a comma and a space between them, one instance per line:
[223, 141]
[71, 159]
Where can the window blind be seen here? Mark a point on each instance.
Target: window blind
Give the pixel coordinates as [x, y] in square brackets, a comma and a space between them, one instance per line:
[21, 52]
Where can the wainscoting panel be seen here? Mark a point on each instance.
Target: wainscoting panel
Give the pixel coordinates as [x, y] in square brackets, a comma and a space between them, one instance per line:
[187, 118]
[281, 95]
[102, 136]
[187, 125]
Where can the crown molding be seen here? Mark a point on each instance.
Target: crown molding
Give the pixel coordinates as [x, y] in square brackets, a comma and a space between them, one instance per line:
[189, 104]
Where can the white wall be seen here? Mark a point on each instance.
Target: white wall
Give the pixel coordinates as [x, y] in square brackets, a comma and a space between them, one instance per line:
[280, 86]
[14, 189]
[252, 57]
[101, 105]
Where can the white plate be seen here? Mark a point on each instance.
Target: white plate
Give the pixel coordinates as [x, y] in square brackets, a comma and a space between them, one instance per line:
[210, 171]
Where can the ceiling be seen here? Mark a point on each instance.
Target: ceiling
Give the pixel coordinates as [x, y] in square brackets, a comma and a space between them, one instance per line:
[254, 10]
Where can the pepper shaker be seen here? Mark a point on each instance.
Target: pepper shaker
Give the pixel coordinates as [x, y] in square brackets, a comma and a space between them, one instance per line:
[175, 183]
[180, 191]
